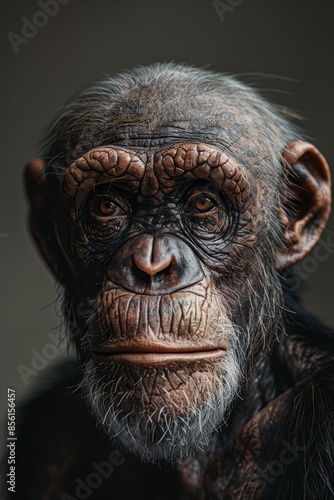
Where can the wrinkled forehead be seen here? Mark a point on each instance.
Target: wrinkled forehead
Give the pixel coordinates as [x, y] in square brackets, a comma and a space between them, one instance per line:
[151, 174]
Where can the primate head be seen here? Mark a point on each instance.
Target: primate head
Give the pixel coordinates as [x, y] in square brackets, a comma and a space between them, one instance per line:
[169, 201]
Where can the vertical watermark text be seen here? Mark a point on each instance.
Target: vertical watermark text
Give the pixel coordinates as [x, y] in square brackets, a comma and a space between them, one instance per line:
[11, 441]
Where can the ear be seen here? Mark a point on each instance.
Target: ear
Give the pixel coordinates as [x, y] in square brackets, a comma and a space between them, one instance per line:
[42, 217]
[307, 201]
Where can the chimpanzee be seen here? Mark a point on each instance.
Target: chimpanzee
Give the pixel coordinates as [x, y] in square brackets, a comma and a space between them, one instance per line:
[170, 203]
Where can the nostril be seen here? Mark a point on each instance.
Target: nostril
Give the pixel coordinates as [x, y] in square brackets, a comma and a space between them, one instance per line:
[141, 275]
[148, 279]
[166, 271]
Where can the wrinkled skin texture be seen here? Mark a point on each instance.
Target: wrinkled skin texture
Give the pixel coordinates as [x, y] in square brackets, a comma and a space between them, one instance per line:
[169, 233]
[171, 216]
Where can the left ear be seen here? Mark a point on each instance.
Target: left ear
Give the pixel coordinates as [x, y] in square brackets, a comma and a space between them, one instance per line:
[307, 200]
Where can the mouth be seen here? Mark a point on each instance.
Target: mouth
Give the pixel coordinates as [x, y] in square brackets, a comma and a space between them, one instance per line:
[152, 353]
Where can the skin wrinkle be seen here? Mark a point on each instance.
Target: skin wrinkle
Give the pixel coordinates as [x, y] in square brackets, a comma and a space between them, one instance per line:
[77, 164]
[176, 327]
[189, 159]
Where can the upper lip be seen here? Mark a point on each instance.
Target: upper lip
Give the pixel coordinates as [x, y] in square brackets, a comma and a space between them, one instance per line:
[136, 346]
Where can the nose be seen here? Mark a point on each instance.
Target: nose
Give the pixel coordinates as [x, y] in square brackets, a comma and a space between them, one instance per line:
[151, 257]
[150, 264]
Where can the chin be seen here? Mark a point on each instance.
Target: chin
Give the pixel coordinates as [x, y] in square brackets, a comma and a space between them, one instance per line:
[163, 410]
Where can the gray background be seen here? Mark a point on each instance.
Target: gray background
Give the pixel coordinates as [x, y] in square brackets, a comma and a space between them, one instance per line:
[290, 42]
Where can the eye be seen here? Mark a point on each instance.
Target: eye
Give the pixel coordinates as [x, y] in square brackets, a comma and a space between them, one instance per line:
[205, 213]
[201, 204]
[105, 215]
[106, 207]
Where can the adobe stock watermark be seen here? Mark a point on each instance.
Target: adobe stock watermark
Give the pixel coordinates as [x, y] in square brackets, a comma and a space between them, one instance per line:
[3, 236]
[100, 472]
[30, 27]
[276, 468]
[309, 265]
[223, 7]
[40, 359]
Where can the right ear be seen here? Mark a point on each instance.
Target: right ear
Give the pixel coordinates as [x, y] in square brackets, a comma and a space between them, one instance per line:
[42, 217]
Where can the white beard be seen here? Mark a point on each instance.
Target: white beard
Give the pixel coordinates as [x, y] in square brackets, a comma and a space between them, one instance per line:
[156, 433]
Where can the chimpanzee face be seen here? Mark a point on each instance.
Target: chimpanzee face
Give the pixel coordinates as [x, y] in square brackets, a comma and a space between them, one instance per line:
[166, 242]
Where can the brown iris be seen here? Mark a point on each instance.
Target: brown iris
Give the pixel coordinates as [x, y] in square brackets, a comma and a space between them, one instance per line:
[106, 207]
[203, 203]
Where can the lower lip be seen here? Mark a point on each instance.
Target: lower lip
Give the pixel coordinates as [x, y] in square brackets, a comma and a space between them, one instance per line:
[159, 358]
